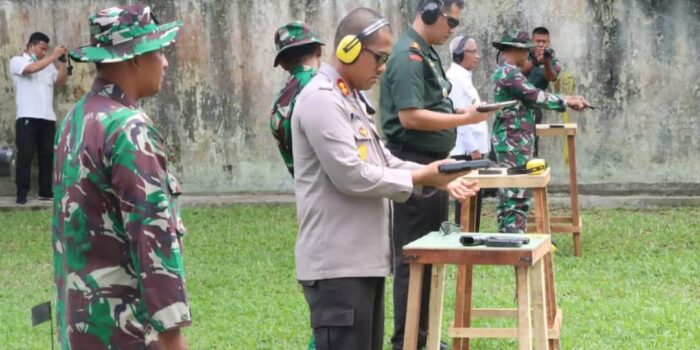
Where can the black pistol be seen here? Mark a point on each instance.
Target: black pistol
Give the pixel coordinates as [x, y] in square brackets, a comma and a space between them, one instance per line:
[494, 241]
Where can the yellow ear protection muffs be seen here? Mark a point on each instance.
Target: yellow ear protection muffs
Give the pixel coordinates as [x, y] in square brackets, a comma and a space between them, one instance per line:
[431, 11]
[458, 53]
[534, 166]
[350, 47]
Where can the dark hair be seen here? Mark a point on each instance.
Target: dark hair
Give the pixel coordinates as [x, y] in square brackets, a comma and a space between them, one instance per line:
[355, 22]
[540, 30]
[37, 37]
[446, 4]
[294, 55]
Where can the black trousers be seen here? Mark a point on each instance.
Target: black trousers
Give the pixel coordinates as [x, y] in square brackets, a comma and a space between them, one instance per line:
[346, 313]
[34, 135]
[479, 198]
[412, 220]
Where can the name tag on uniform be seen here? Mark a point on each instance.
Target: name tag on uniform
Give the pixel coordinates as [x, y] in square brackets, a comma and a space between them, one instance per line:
[362, 151]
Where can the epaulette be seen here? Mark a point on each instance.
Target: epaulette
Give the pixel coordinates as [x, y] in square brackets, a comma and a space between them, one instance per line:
[414, 52]
[325, 85]
[343, 87]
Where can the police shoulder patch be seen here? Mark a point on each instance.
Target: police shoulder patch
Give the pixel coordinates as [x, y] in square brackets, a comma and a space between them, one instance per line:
[415, 57]
[343, 87]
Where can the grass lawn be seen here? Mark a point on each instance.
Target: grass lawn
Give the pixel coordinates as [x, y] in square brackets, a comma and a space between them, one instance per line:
[637, 285]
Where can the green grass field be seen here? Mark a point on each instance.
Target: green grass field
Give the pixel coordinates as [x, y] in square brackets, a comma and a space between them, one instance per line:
[637, 285]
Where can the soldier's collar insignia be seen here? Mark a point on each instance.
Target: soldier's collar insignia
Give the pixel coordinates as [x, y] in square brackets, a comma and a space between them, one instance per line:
[343, 86]
[414, 45]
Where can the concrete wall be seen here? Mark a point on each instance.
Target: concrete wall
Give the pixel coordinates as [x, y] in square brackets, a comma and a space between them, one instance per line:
[637, 57]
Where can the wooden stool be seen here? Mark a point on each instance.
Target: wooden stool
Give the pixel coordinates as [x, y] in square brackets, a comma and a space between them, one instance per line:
[538, 184]
[534, 277]
[573, 223]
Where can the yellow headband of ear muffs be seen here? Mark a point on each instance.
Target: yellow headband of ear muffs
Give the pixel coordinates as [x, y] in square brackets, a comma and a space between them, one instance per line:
[350, 46]
[534, 166]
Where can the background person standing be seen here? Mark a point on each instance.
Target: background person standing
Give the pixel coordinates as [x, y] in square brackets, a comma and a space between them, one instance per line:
[34, 76]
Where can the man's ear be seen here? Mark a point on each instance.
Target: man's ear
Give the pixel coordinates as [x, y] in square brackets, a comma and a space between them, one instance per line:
[134, 62]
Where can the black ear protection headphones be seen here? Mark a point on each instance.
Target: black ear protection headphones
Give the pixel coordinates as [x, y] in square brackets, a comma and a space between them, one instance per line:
[458, 53]
[431, 11]
[350, 46]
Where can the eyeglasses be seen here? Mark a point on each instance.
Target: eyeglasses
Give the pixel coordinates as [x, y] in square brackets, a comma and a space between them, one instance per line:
[380, 57]
[447, 228]
[471, 51]
[451, 21]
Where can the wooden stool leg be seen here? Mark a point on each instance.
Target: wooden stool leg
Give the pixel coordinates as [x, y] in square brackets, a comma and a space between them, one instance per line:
[463, 304]
[535, 213]
[542, 210]
[468, 215]
[539, 312]
[551, 297]
[415, 285]
[435, 314]
[573, 191]
[524, 320]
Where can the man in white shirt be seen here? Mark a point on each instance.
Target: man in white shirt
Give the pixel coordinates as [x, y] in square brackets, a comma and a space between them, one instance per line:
[33, 77]
[473, 141]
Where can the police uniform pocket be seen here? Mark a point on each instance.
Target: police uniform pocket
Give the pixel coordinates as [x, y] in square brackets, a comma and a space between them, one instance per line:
[333, 326]
[362, 138]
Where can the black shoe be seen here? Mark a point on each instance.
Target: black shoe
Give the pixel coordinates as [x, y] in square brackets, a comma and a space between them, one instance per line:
[42, 198]
[22, 201]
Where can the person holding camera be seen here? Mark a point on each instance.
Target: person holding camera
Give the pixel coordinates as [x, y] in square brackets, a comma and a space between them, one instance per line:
[34, 76]
[541, 67]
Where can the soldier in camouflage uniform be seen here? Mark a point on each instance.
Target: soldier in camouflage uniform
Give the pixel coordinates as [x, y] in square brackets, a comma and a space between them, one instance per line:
[514, 127]
[117, 231]
[299, 53]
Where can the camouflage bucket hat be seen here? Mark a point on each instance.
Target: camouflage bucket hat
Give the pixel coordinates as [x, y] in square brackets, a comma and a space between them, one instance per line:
[121, 33]
[293, 34]
[518, 39]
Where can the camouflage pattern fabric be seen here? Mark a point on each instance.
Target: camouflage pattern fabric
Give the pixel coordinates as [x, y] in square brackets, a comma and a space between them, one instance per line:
[514, 38]
[280, 118]
[513, 138]
[121, 33]
[117, 248]
[293, 34]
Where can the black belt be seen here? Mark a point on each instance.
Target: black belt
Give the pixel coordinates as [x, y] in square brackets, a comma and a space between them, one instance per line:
[402, 147]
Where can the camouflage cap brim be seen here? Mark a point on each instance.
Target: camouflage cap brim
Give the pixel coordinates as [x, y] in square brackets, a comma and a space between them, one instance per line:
[297, 44]
[162, 37]
[501, 45]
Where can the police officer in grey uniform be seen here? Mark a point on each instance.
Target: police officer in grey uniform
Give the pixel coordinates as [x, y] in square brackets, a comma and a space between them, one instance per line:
[345, 180]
